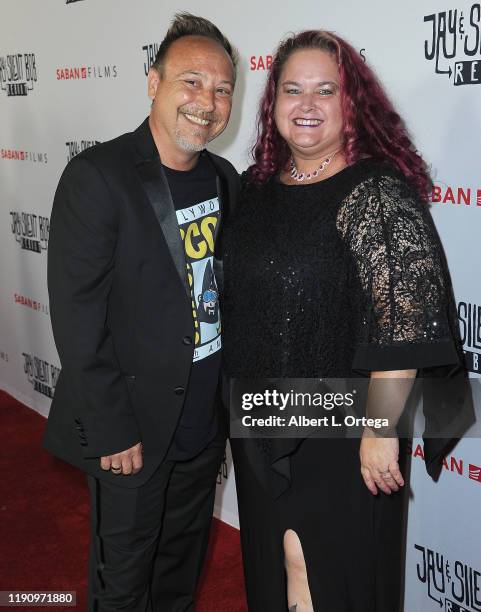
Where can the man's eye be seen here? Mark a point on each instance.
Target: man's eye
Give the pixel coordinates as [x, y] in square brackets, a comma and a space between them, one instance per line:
[224, 92]
[191, 82]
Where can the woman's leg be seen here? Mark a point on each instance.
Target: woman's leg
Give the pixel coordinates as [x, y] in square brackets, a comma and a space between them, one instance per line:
[298, 593]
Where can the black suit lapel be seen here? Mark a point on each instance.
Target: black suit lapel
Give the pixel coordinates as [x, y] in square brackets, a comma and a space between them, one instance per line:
[157, 189]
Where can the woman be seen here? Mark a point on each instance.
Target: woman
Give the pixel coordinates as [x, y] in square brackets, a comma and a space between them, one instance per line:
[332, 268]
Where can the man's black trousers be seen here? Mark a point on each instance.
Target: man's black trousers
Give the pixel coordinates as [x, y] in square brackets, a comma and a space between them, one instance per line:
[148, 543]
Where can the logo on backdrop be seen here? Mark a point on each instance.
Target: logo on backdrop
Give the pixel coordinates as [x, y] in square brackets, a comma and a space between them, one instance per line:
[469, 315]
[446, 194]
[4, 356]
[29, 303]
[31, 231]
[21, 155]
[454, 585]
[72, 1]
[475, 472]
[150, 53]
[79, 73]
[455, 465]
[453, 44]
[18, 73]
[260, 62]
[74, 147]
[264, 62]
[41, 374]
[223, 473]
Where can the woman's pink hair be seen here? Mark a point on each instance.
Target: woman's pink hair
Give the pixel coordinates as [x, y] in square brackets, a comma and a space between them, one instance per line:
[371, 126]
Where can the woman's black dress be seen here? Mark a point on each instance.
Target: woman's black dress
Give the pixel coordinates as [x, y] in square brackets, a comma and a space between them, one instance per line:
[328, 280]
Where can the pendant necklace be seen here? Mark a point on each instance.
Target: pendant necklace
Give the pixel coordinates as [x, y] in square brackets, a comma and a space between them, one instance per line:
[305, 176]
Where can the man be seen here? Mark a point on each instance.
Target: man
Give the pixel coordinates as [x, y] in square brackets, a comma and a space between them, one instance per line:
[134, 300]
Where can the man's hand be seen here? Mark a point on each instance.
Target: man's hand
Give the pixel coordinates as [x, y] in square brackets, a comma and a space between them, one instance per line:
[127, 462]
[379, 463]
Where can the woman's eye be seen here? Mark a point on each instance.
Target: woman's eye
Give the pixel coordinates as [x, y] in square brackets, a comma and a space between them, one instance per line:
[292, 90]
[191, 82]
[325, 92]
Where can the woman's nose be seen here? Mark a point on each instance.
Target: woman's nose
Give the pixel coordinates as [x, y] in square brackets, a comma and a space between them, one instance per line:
[307, 102]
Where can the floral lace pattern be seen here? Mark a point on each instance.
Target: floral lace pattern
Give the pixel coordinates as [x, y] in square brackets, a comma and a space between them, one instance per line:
[399, 260]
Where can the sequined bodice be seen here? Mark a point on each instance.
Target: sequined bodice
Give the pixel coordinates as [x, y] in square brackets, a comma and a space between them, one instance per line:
[284, 264]
[314, 272]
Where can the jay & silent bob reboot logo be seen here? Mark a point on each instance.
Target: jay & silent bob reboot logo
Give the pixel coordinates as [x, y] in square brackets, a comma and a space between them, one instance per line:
[74, 147]
[18, 73]
[453, 44]
[451, 584]
[31, 231]
[41, 374]
[150, 53]
[469, 315]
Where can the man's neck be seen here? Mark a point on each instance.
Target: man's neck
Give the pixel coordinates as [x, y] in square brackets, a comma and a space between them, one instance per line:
[173, 158]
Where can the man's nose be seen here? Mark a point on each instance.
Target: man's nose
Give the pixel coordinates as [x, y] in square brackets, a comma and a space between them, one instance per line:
[206, 99]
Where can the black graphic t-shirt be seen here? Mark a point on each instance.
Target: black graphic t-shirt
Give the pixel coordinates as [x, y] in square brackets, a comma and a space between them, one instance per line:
[194, 193]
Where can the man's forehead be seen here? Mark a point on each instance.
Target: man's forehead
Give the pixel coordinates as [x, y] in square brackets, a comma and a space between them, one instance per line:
[195, 53]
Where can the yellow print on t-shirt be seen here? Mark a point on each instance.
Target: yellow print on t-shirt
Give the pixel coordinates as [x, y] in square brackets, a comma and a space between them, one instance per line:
[199, 238]
[198, 225]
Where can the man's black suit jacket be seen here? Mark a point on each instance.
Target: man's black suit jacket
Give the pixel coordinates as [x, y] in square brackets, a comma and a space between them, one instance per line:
[120, 304]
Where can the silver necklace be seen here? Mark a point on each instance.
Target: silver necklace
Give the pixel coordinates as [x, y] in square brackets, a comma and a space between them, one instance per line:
[305, 176]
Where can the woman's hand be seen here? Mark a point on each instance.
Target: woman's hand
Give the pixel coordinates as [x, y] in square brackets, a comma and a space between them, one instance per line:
[379, 463]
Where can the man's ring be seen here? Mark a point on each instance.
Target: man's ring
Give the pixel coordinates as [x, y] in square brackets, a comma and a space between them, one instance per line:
[385, 474]
[115, 470]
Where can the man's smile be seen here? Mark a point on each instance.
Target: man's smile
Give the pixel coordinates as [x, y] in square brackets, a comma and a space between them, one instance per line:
[197, 120]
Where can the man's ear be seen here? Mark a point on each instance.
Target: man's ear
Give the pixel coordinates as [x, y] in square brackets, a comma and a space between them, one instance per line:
[153, 79]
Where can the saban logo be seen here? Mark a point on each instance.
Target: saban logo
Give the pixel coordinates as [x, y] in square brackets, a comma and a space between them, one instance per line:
[264, 62]
[42, 375]
[18, 73]
[74, 147]
[79, 73]
[469, 315]
[29, 303]
[260, 62]
[31, 231]
[452, 464]
[453, 44]
[21, 155]
[454, 585]
[475, 472]
[445, 194]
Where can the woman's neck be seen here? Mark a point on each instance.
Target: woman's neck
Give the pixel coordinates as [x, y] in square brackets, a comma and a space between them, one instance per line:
[308, 171]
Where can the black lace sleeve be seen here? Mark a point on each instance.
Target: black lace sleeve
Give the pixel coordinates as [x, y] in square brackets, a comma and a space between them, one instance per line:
[407, 320]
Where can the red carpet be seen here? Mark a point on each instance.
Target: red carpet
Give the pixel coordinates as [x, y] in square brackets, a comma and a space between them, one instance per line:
[44, 522]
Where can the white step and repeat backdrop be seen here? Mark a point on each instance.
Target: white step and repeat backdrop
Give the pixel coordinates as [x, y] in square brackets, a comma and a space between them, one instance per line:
[73, 73]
